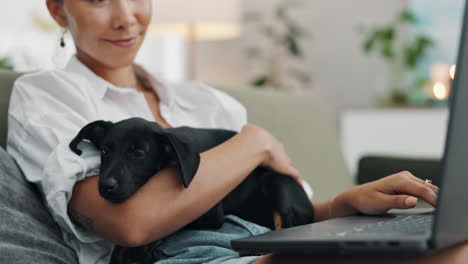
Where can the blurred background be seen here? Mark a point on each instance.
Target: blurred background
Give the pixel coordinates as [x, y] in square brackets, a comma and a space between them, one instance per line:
[383, 68]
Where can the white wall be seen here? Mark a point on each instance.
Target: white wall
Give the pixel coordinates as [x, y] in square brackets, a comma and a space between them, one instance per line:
[19, 36]
[343, 75]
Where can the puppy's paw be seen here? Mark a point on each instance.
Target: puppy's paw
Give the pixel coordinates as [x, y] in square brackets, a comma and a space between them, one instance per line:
[277, 220]
[296, 216]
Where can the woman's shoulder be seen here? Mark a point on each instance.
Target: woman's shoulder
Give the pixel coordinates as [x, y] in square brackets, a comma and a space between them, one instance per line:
[230, 113]
[42, 91]
[202, 91]
[48, 81]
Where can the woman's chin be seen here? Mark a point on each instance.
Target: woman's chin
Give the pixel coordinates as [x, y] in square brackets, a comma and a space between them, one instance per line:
[106, 58]
[117, 60]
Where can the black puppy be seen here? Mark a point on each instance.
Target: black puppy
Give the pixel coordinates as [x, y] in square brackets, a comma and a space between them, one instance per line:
[133, 150]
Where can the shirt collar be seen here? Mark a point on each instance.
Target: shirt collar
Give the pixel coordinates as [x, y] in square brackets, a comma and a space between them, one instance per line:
[99, 85]
[166, 95]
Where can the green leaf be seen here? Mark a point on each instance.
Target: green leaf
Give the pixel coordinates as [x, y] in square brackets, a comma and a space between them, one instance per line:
[281, 12]
[425, 42]
[293, 46]
[387, 52]
[260, 81]
[5, 64]
[369, 43]
[295, 30]
[415, 51]
[386, 34]
[410, 55]
[407, 16]
[384, 38]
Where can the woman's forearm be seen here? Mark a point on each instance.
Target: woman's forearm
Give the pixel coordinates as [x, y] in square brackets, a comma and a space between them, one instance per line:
[321, 211]
[336, 207]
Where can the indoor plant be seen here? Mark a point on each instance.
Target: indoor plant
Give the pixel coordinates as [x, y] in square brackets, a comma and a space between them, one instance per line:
[276, 52]
[402, 54]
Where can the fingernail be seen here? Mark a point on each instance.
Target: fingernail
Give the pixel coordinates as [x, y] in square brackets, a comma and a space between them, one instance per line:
[434, 195]
[411, 201]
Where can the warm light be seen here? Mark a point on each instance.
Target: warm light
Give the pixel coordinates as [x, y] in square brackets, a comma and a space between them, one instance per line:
[441, 76]
[201, 31]
[452, 71]
[198, 20]
[440, 91]
[440, 72]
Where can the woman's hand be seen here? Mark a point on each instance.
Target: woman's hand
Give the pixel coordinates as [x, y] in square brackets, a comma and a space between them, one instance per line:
[275, 156]
[398, 191]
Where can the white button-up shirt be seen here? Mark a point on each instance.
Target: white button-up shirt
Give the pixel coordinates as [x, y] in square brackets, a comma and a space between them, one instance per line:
[48, 109]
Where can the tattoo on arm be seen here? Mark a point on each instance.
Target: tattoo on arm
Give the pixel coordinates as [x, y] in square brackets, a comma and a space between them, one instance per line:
[81, 220]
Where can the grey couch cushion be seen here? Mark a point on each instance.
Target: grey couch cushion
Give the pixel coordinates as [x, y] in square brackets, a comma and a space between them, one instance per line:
[28, 233]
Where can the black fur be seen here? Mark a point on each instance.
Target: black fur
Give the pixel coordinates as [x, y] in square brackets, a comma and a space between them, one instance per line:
[133, 150]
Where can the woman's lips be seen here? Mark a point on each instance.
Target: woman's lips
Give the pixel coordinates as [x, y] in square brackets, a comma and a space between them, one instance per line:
[124, 43]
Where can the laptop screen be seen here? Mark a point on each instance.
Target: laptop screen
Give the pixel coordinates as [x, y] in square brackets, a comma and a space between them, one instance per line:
[451, 225]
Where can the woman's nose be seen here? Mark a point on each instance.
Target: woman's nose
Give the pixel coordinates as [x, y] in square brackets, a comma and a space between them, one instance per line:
[123, 14]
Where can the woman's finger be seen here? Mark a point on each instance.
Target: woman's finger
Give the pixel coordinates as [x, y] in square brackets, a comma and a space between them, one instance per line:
[412, 177]
[398, 201]
[296, 175]
[415, 189]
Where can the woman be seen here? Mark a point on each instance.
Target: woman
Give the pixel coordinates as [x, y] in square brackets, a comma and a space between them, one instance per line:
[101, 82]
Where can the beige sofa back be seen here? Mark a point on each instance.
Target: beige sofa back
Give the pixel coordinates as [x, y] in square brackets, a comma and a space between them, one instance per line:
[6, 83]
[304, 126]
[299, 121]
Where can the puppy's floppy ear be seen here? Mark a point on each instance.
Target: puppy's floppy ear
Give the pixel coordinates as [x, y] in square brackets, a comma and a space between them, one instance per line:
[186, 159]
[179, 151]
[94, 132]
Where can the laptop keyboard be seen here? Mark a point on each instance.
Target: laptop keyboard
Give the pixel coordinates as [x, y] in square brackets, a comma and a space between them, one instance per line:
[409, 224]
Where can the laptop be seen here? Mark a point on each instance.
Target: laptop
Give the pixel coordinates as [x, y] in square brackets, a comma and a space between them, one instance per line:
[408, 232]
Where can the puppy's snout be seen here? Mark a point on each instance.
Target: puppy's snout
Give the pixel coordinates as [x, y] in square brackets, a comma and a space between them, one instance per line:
[108, 186]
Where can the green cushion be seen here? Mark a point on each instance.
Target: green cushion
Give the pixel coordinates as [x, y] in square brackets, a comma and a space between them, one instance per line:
[7, 78]
[306, 129]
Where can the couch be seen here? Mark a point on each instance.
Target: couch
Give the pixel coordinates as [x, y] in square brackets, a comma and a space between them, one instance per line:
[28, 233]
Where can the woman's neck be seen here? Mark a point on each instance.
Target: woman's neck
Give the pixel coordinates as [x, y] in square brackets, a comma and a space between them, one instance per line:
[118, 76]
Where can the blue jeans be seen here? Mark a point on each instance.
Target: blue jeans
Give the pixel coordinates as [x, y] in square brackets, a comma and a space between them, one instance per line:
[209, 246]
